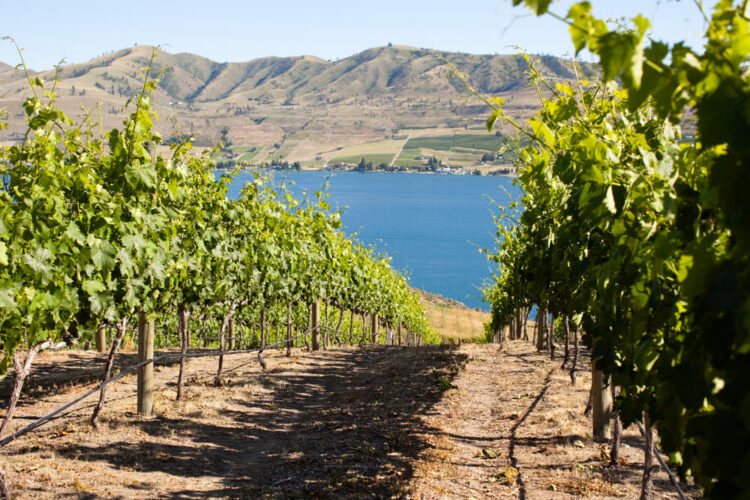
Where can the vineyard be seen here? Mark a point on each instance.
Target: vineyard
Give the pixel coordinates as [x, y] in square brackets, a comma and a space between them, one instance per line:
[250, 348]
[98, 233]
[637, 240]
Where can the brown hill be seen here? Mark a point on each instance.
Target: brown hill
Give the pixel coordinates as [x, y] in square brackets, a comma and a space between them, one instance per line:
[306, 105]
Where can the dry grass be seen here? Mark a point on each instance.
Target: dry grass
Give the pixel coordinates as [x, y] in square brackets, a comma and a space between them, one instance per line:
[385, 147]
[454, 323]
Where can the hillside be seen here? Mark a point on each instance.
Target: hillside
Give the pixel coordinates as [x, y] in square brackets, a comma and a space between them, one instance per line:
[296, 108]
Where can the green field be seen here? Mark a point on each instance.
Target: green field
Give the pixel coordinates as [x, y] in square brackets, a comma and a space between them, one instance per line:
[439, 143]
[460, 158]
[248, 157]
[408, 162]
[377, 152]
[245, 149]
[376, 159]
[249, 153]
[483, 142]
[460, 149]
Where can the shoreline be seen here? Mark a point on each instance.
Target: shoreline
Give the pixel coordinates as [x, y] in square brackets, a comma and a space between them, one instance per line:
[245, 168]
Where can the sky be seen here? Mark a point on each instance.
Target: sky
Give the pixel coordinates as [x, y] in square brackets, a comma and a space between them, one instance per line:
[233, 31]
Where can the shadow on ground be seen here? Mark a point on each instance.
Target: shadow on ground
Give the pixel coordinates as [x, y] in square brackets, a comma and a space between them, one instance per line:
[344, 425]
[76, 368]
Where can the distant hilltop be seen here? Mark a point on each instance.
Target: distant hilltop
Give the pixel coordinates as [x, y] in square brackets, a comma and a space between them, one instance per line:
[295, 108]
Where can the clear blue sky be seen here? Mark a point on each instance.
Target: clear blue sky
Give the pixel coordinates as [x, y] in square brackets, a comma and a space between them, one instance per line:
[223, 30]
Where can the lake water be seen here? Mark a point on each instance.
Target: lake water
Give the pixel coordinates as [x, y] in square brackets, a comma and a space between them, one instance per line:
[431, 225]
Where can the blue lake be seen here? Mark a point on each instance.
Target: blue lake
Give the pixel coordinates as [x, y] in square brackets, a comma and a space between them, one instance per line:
[431, 225]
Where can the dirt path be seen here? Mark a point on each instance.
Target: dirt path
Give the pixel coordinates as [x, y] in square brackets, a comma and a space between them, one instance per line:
[372, 422]
[512, 427]
[400, 150]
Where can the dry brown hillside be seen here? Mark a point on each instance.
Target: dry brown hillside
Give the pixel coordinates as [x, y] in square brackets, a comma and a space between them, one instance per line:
[306, 105]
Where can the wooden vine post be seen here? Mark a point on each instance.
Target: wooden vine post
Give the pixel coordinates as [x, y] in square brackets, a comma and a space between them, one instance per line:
[145, 373]
[316, 326]
[601, 401]
[364, 327]
[231, 334]
[101, 339]
[374, 328]
[551, 339]
[541, 319]
[288, 328]
[519, 323]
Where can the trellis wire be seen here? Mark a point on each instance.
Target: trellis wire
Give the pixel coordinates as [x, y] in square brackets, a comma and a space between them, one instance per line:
[42, 420]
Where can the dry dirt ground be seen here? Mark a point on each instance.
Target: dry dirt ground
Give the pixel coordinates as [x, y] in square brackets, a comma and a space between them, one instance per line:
[361, 422]
[512, 426]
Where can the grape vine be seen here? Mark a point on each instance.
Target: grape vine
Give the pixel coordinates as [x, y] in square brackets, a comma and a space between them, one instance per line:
[642, 236]
[95, 229]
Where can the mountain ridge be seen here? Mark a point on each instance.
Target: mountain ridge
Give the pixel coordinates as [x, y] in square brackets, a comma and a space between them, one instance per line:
[271, 100]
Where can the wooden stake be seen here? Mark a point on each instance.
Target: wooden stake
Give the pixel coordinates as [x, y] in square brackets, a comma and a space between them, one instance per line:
[551, 339]
[374, 328]
[231, 335]
[541, 319]
[519, 323]
[601, 404]
[364, 328]
[182, 318]
[146, 344]
[614, 454]
[309, 323]
[101, 339]
[325, 327]
[263, 328]
[288, 329]
[145, 373]
[316, 326]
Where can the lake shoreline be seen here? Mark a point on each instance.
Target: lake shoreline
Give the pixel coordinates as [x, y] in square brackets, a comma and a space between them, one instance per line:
[374, 171]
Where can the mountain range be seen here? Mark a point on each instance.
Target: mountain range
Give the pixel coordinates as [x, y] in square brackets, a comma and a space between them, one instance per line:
[306, 107]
